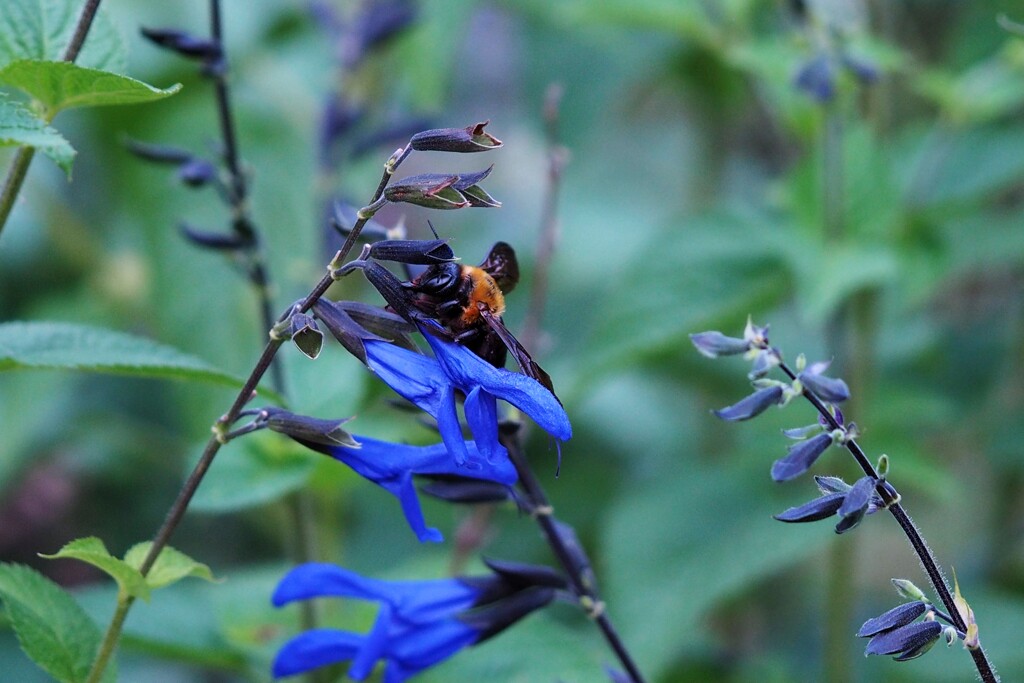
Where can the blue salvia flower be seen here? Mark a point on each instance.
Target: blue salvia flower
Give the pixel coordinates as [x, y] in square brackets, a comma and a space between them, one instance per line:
[392, 466]
[431, 383]
[419, 624]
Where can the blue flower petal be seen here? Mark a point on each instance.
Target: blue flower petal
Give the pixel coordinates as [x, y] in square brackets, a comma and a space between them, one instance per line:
[316, 648]
[482, 415]
[391, 466]
[412, 375]
[375, 646]
[467, 370]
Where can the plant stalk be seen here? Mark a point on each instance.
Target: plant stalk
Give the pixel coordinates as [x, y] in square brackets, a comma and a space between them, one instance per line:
[910, 530]
[23, 158]
[542, 512]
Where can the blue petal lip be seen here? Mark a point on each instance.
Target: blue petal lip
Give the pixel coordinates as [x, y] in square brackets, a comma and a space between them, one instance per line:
[314, 649]
[466, 370]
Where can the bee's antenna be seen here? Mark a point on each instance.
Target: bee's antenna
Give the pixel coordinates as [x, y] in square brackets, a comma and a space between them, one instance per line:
[432, 230]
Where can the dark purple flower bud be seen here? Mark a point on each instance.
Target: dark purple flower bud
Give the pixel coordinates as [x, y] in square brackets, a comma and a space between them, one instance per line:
[519, 575]
[346, 330]
[468, 185]
[908, 642]
[388, 325]
[389, 287]
[185, 44]
[196, 172]
[215, 241]
[828, 389]
[813, 511]
[893, 619]
[862, 69]
[466, 491]
[418, 252]
[752, 405]
[161, 154]
[817, 78]
[491, 619]
[462, 140]
[306, 336]
[431, 190]
[800, 458]
[714, 344]
[326, 432]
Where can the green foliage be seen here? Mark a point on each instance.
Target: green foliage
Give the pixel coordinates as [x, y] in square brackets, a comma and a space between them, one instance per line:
[79, 347]
[19, 126]
[52, 629]
[170, 567]
[42, 29]
[92, 551]
[62, 85]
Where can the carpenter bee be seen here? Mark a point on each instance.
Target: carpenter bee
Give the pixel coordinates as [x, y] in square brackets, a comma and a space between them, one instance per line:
[469, 301]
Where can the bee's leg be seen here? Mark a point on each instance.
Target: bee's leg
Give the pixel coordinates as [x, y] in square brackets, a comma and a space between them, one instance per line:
[469, 335]
[449, 309]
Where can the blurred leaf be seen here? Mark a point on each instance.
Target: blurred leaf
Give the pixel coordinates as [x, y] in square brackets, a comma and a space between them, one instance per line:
[958, 166]
[20, 127]
[92, 551]
[79, 347]
[677, 546]
[260, 471]
[984, 91]
[51, 627]
[62, 85]
[42, 29]
[170, 566]
[827, 279]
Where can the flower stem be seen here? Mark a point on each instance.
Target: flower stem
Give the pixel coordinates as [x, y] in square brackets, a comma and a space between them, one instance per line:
[23, 158]
[910, 530]
[180, 505]
[110, 638]
[538, 503]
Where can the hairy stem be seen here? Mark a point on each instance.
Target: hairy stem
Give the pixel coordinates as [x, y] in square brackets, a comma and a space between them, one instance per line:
[910, 530]
[23, 158]
[542, 512]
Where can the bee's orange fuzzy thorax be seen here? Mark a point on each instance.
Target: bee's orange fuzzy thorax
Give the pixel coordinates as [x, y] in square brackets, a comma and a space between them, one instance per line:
[486, 291]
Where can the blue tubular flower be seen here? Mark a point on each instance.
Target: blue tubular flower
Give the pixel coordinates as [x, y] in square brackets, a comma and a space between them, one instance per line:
[392, 467]
[431, 383]
[420, 623]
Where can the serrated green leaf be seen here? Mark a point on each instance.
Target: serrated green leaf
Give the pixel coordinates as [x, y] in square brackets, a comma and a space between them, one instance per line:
[62, 85]
[51, 627]
[20, 127]
[259, 471]
[92, 551]
[42, 29]
[80, 347]
[171, 565]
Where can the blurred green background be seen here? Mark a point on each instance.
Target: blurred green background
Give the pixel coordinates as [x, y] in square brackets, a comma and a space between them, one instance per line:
[880, 228]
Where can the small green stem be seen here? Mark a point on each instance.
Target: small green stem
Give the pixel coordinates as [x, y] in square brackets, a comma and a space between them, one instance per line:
[12, 184]
[19, 168]
[110, 638]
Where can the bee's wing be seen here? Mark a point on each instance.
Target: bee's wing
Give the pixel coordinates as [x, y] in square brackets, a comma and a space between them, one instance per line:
[502, 265]
[523, 358]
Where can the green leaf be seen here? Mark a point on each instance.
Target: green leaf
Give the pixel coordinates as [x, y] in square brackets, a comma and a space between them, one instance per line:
[51, 627]
[62, 85]
[80, 347]
[171, 565]
[92, 551]
[260, 471]
[20, 127]
[42, 29]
